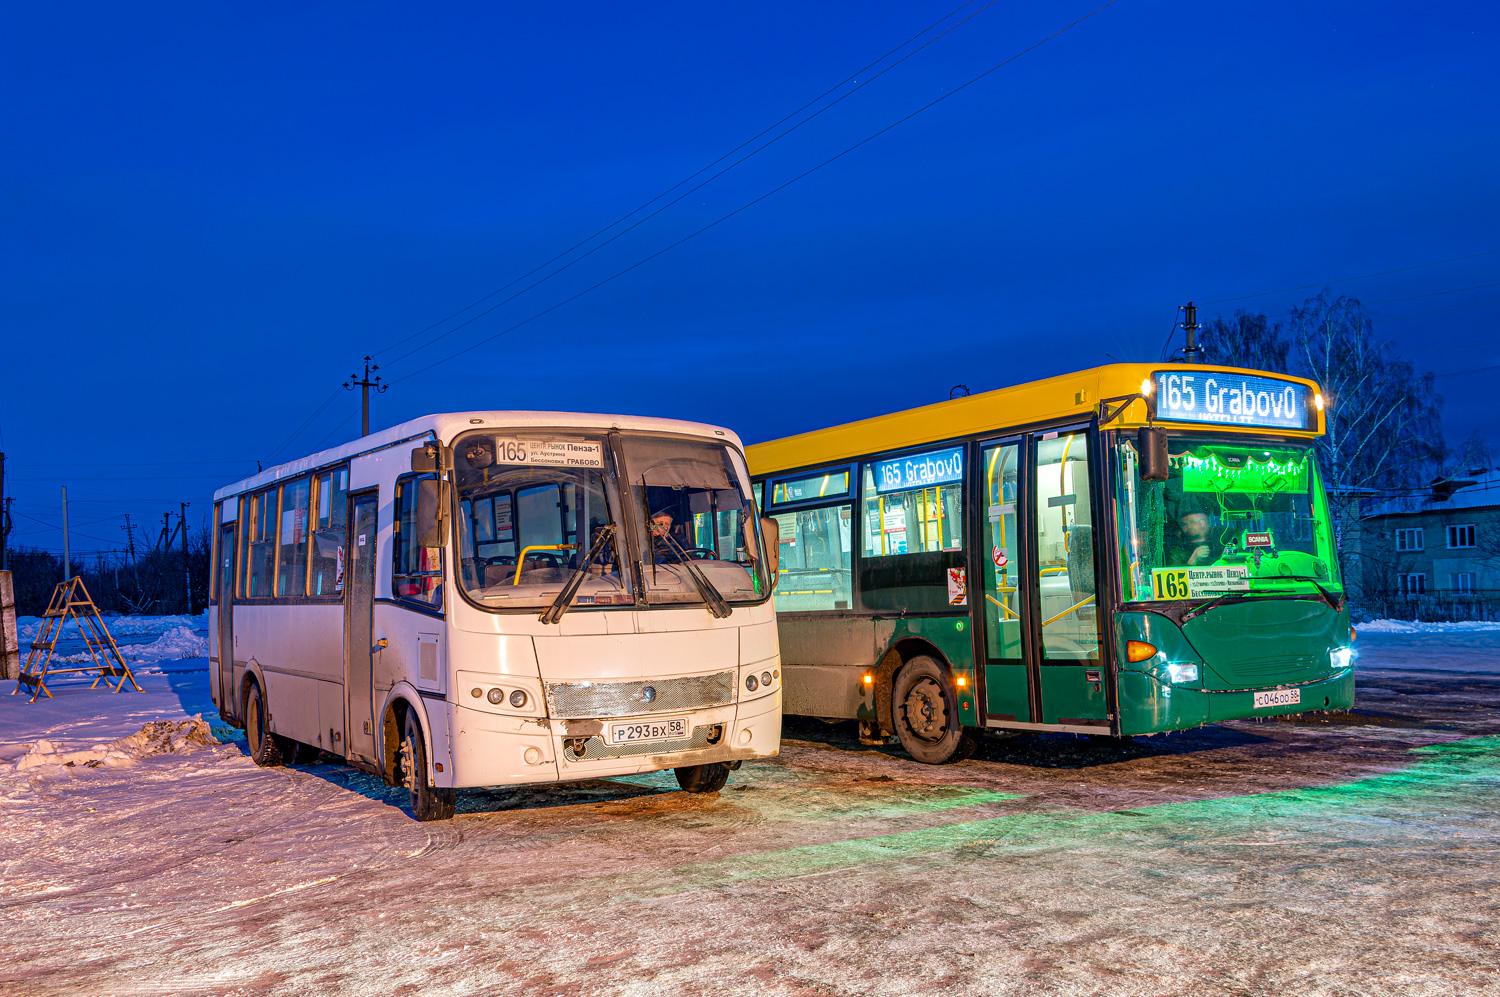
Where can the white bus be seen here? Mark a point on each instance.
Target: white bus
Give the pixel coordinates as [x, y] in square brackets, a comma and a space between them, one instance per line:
[496, 598]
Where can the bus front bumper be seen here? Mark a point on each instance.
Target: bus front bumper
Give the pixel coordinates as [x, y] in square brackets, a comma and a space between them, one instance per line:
[503, 751]
[1148, 705]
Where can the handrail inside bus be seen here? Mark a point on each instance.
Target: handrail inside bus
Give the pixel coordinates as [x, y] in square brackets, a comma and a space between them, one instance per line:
[1002, 606]
[1065, 612]
[521, 559]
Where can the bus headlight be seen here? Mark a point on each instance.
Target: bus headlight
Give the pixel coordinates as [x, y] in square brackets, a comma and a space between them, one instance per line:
[518, 699]
[1182, 671]
[1341, 658]
[496, 696]
[751, 683]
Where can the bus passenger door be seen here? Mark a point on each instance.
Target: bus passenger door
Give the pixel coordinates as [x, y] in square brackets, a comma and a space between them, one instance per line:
[1071, 670]
[228, 704]
[1007, 684]
[359, 622]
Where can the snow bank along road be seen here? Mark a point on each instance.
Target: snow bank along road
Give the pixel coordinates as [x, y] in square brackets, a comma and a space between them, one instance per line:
[1327, 855]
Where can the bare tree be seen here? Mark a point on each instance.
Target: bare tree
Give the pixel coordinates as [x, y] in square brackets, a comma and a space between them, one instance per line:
[1244, 341]
[1384, 421]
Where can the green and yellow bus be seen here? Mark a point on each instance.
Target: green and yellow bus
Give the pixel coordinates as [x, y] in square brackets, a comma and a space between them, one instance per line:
[1125, 550]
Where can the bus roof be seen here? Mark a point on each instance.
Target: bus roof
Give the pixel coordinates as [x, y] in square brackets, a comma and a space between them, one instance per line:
[447, 425]
[1076, 394]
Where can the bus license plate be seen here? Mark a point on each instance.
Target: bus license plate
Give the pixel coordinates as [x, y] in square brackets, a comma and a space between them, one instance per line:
[651, 730]
[1278, 697]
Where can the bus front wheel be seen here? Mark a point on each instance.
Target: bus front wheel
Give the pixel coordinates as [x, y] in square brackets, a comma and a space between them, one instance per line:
[924, 705]
[427, 801]
[708, 778]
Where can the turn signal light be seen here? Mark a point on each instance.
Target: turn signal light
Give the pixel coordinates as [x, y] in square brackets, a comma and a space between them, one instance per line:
[1139, 650]
[869, 679]
[1352, 635]
[962, 681]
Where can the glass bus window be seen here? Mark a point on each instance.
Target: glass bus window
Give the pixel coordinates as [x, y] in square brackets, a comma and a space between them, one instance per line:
[1064, 541]
[416, 571]
[331, 499]
[260, 544]
[692, 501]
[913, 533]
[533, 511]
[815, 559]
[291, 573]
[1232, 516]
[835, 485]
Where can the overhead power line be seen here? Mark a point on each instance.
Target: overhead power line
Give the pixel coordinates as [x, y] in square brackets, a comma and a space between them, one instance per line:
[1476, 370]
[1463, 346]
[1341, 280]
[687, 193]
[704, 169]
[777, 189]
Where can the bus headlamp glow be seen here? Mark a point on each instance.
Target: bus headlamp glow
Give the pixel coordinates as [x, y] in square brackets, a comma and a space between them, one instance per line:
[1147, 386]
[1139, 650]
[1182, 671]
[1318, 401]
[1341, 658]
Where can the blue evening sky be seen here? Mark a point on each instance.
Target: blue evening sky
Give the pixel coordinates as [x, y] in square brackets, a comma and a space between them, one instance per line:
[211, 212]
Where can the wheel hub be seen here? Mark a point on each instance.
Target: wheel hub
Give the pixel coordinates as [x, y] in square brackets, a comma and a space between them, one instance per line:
[926, 711]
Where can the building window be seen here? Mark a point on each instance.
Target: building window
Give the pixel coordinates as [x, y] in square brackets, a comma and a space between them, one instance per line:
[1460, 536]
[1413, 583]
[1409, 539]
[1463, 583]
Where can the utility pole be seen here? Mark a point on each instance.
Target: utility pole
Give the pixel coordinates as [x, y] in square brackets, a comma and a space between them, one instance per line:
[67, 560]
[364, 393]
[187, 573]
[1190, 326]
[130, 546]
[4, 514]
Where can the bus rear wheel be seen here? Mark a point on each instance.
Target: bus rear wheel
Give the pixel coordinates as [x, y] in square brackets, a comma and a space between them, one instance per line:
[428, 802]
[924, 705]
[708, 778]
[265, 747]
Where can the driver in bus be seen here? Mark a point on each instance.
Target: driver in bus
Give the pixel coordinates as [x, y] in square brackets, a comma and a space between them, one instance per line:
[1195, 544]
[662, 550]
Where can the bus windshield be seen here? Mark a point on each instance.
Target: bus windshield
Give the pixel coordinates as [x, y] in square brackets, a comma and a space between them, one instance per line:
[691, 503]
[1233, 516]
[531, 510]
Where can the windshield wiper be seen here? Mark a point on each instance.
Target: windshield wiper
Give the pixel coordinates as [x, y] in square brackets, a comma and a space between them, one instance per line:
[1222, 599]
[717, 607]
[604, 536]
[1327, 596]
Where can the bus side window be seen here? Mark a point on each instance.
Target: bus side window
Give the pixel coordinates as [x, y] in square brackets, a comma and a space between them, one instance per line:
[291, 567]
[416, 572]
[260, 544]
[330, 503]
[814, 569]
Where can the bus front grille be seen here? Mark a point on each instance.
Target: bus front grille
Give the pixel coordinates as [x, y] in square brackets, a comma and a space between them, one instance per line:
[586, 700]
[596, 747]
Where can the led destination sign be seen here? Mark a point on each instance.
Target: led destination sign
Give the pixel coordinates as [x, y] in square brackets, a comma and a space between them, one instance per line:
[939, 467]
[1239, 399]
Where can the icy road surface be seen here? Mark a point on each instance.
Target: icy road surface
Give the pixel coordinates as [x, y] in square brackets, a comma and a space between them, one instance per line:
[1340, 856]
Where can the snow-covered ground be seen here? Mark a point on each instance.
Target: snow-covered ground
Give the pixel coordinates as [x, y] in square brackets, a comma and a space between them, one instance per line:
[1332, 855]
[144, 641]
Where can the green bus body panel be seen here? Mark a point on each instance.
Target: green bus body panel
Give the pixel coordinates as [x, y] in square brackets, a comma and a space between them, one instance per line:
[950, 635]
[1266, 642]
[1068, 697]
[1255, 646]
[1006, 690]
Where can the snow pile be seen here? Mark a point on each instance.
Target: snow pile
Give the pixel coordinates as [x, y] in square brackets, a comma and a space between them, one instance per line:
[160, 737]
[118, 626]
[175, 644]
[1418, 627]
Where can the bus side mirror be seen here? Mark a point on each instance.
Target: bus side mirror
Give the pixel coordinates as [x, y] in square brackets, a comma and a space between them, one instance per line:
[432, 513]
[770, 532]
[1151, 450]
[431, 459]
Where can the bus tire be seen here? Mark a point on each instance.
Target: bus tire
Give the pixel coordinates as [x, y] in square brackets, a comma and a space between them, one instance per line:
[924, 706]
[265, 749]
[427, 802]
[708, 778]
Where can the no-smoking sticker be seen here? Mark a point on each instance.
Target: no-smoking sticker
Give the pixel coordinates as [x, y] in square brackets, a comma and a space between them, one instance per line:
[998, 556]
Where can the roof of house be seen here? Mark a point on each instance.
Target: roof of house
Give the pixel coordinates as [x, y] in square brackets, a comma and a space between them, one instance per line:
[1475, 489]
